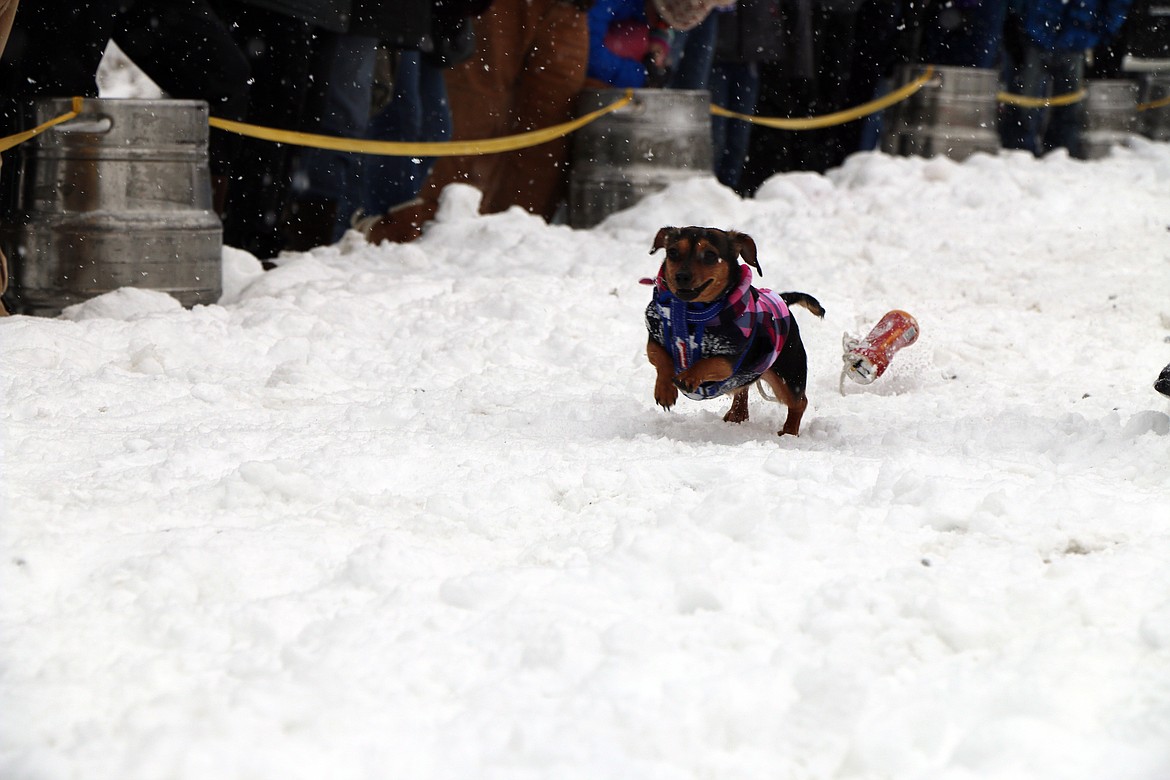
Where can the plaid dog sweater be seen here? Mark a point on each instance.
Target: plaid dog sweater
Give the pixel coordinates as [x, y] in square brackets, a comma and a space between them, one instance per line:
[748, 326]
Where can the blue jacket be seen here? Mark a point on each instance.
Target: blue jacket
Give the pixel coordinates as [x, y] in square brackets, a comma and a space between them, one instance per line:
[1070, 25]
[604, 65]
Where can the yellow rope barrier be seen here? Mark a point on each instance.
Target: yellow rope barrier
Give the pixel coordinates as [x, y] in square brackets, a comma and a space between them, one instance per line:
[535, 137]
[19, 138]
[1154, 104]
[1024, 101]
[837, 118]
[422, 149]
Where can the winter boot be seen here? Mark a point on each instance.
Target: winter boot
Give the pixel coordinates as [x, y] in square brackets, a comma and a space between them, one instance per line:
[1163, 383]
[401, 224]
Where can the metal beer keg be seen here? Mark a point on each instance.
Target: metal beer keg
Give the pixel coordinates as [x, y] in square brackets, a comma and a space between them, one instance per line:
[663, 137]
[954, 114]
[118, 197]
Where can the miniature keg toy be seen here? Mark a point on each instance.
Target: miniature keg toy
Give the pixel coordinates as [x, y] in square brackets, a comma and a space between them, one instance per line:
[868, 358]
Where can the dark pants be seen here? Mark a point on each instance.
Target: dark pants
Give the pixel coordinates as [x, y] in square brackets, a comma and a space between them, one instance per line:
[1040, 130]
[419, 111]
[338, 106]
[830, 88]
[694, 55]
[734, 86]
[279, 50]
[968, 36]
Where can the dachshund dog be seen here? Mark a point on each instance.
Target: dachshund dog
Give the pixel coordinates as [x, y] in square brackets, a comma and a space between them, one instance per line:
[712, 333]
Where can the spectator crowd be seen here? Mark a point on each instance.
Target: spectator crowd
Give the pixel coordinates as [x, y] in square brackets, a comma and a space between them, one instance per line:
[436, 70]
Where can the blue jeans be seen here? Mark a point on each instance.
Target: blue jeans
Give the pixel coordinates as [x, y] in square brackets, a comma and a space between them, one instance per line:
[419, 111]
[693, 53]
[734, 86]
[1040, 130]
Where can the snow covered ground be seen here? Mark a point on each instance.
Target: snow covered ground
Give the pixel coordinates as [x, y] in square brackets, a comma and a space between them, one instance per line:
[411, 512]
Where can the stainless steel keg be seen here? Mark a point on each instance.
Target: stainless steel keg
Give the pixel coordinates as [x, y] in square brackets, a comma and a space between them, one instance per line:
[1110, 116]
[118, 197]
[954, 115]
[662, 137]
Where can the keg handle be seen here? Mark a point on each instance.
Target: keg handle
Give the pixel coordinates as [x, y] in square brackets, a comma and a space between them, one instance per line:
[93, 124]
[636, 106]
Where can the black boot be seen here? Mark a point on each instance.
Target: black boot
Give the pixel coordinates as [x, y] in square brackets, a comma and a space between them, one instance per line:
[1163, 383]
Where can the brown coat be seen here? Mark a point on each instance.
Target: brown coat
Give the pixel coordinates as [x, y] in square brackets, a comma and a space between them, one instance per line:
[7, 14]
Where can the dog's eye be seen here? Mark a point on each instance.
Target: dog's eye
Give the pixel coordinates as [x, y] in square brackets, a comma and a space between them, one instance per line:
[710, 257]
[672, 253]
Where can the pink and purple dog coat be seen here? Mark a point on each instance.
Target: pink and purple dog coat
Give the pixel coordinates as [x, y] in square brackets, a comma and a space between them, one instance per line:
[748, 326]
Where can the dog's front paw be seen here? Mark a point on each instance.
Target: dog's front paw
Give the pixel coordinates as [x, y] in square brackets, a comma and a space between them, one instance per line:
[665, 394]
[688, 380]
[712, 369]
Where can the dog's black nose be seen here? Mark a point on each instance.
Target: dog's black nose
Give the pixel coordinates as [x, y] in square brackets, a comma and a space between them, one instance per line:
[683, 278]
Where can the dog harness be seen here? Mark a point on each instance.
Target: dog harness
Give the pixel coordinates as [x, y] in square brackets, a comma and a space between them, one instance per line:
[748, 325]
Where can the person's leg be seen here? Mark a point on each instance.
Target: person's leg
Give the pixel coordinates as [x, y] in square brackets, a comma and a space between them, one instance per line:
[738, 87]
[721, 90]
[772, 151]
[326, 183]
[536, 178]
[385, 179]
[963, 34]
[435, 124]
[279, 50]
[984, 39]
[849, 67]
[419, 111]
[481, 92]
[696, 55]
[1019, 125]
[1065, 122]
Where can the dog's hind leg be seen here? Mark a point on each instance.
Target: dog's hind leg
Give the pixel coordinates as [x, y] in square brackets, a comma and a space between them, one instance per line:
[739, 406]
[796, 403]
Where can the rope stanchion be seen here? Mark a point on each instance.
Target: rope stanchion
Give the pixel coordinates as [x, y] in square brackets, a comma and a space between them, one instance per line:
[15, 140]
[421, 149]
[836, 118]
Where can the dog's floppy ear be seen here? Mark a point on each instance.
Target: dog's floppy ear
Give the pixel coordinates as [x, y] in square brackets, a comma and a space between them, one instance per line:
[746, 246]
[660, 239]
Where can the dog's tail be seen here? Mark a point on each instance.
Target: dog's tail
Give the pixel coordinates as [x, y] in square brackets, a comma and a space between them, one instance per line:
[805, 300]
